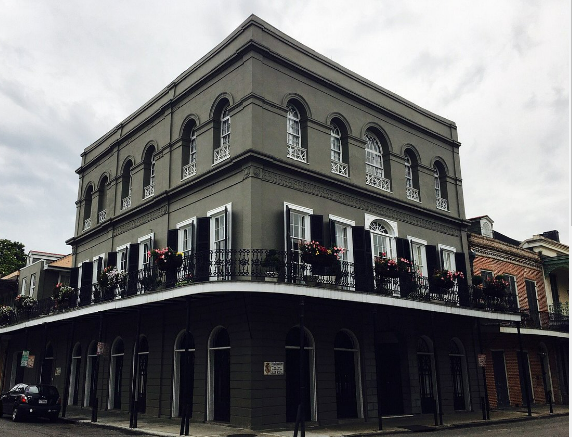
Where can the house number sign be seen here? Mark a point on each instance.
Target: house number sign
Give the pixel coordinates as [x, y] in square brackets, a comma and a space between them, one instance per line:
[273, 368]
[482, 358]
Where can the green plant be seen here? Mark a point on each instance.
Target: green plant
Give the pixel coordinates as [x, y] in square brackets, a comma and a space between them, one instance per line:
[25, 302]
[7, 315]
[445, 279]
[166, 259]
[317, 255]
[391, 268]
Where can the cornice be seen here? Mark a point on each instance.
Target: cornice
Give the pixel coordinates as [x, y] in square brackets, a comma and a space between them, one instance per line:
[496, 249]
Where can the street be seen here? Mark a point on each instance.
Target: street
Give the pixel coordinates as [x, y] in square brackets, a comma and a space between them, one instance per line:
[40, 427]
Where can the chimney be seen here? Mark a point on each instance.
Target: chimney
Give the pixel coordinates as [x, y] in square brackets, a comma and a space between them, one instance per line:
[553, 235]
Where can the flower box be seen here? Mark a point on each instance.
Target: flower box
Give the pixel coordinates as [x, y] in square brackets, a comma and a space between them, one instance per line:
[166, 259]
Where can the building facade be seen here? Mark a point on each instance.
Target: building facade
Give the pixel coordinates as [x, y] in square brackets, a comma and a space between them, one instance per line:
[536, 361]
[261, 146]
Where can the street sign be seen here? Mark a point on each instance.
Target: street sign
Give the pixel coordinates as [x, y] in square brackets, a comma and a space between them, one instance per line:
[273, 368]
[24, 360]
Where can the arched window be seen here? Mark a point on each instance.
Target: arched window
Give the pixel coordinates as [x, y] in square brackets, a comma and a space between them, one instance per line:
[338, 159]
[149, 173]
[46, 370]
[440, 180]
[222, 130]
[382, 240]
[425, 367]
[102, 200]
[411, 176]
[116, 374]
[374, 171]
[126, 185]
[87, 208]
[294, 135]
[346, 359]
[189, 151]
[141, 382]
[459, 375]
[75, 375]
[219, 376]
[184, 373]
[90, 375]
[24, 287]
[292, 368]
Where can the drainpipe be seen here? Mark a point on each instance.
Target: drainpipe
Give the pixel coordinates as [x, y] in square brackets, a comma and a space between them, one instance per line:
[188, 403]
[132, 398]
[522, 363]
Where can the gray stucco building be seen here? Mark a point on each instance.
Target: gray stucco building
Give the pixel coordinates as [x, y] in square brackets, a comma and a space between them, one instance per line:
[261, 145]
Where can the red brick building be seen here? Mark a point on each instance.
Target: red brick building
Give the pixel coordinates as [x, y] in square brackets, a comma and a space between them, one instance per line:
[543, 329]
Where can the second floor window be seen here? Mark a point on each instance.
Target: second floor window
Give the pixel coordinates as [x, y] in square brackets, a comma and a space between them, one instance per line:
[33, 286]
[219, 222]
[122, 258]
[24, 287]
[408, 173]
[437, 183]
[225, 128]
[381, 240]
[373, 156]
[335, 144]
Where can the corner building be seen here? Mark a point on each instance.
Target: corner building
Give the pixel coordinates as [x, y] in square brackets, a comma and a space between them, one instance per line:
[261, 145]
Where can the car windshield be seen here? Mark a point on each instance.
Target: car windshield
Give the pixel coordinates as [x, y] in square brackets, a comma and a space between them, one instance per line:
[44, 390]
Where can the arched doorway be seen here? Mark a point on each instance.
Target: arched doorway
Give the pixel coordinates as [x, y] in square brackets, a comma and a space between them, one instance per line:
[142, 362]
[545, 369]
[292, 369]
[47, 366]
[75, 375]
[90, 373]
[219, 376]
[346, 358]
[116, 373]
[459, 375]
[184, 373]
[425, 365]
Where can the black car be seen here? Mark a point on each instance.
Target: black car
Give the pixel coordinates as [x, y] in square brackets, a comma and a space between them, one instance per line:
[25, 400]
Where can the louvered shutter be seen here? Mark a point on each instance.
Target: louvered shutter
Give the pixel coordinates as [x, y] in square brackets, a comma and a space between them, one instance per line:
[461, 266]
[111, 259]
[86, 278]
[317, 228]
[358, 238]
[132, 269]
[203, 248]
[288, 245]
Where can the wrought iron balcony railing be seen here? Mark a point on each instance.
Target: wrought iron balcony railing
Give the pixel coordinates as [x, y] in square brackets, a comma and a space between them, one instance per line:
[86, 224]
[554, 320]
[412, 194]
[126, 202]
[340, 168]
[221, 153]
[149, 191]
[297, 153]
[378, 182]
[442, 204]
[275, 266]
[101, 215]
[189, 170]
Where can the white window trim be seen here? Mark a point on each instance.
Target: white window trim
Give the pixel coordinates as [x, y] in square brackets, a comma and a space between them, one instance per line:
[298, 208]
[442, 247]
[94, 271]
[24, 288]
[33, 285]
[141, 241]
[180, 226]
[370, 218]
[214, 212]
[119, 249]
[420, 242]
[350, 223]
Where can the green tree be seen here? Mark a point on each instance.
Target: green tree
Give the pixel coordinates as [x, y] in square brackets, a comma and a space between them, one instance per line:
[12, 257]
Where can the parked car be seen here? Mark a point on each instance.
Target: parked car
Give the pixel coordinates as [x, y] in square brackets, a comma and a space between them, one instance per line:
[25, 400]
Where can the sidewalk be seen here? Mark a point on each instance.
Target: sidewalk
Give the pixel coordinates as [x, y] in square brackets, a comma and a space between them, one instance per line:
[391, 425]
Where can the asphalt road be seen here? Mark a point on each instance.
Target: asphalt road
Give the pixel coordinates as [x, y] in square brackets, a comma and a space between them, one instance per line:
[549, 427]
[41, 427]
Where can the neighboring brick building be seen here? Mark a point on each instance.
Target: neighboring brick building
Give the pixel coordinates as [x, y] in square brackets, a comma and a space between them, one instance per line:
[544, 332]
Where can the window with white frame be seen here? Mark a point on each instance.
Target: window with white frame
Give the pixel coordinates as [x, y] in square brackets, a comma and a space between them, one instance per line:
[448, 257]
[225, 127]
[408, 173]
[382, 233]
[373, 156]
[419, 255]
[33, 285]
[186, 236]
[122, 252]
[335, 143]
[293, 127]
[24, 287]
[437, 182]
[343, 236]
[145, 245]
[220, 227]
[299, 231]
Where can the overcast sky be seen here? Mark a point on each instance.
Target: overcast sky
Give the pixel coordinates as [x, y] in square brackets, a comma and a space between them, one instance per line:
[70, 71]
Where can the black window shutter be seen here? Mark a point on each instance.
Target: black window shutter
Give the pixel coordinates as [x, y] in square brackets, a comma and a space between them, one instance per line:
[99, 265]
[461, 266]
[203, 248]
[112, 259]
[74, 275]
[132, 268]
[173, 239]
[227, 239]
[441, 260]
[368, 261]
[403, 248]
[554, 289]
[86, 278]
[333, 241]
[358, 233]
[317, 228]
[432, 259]
[288, 247]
